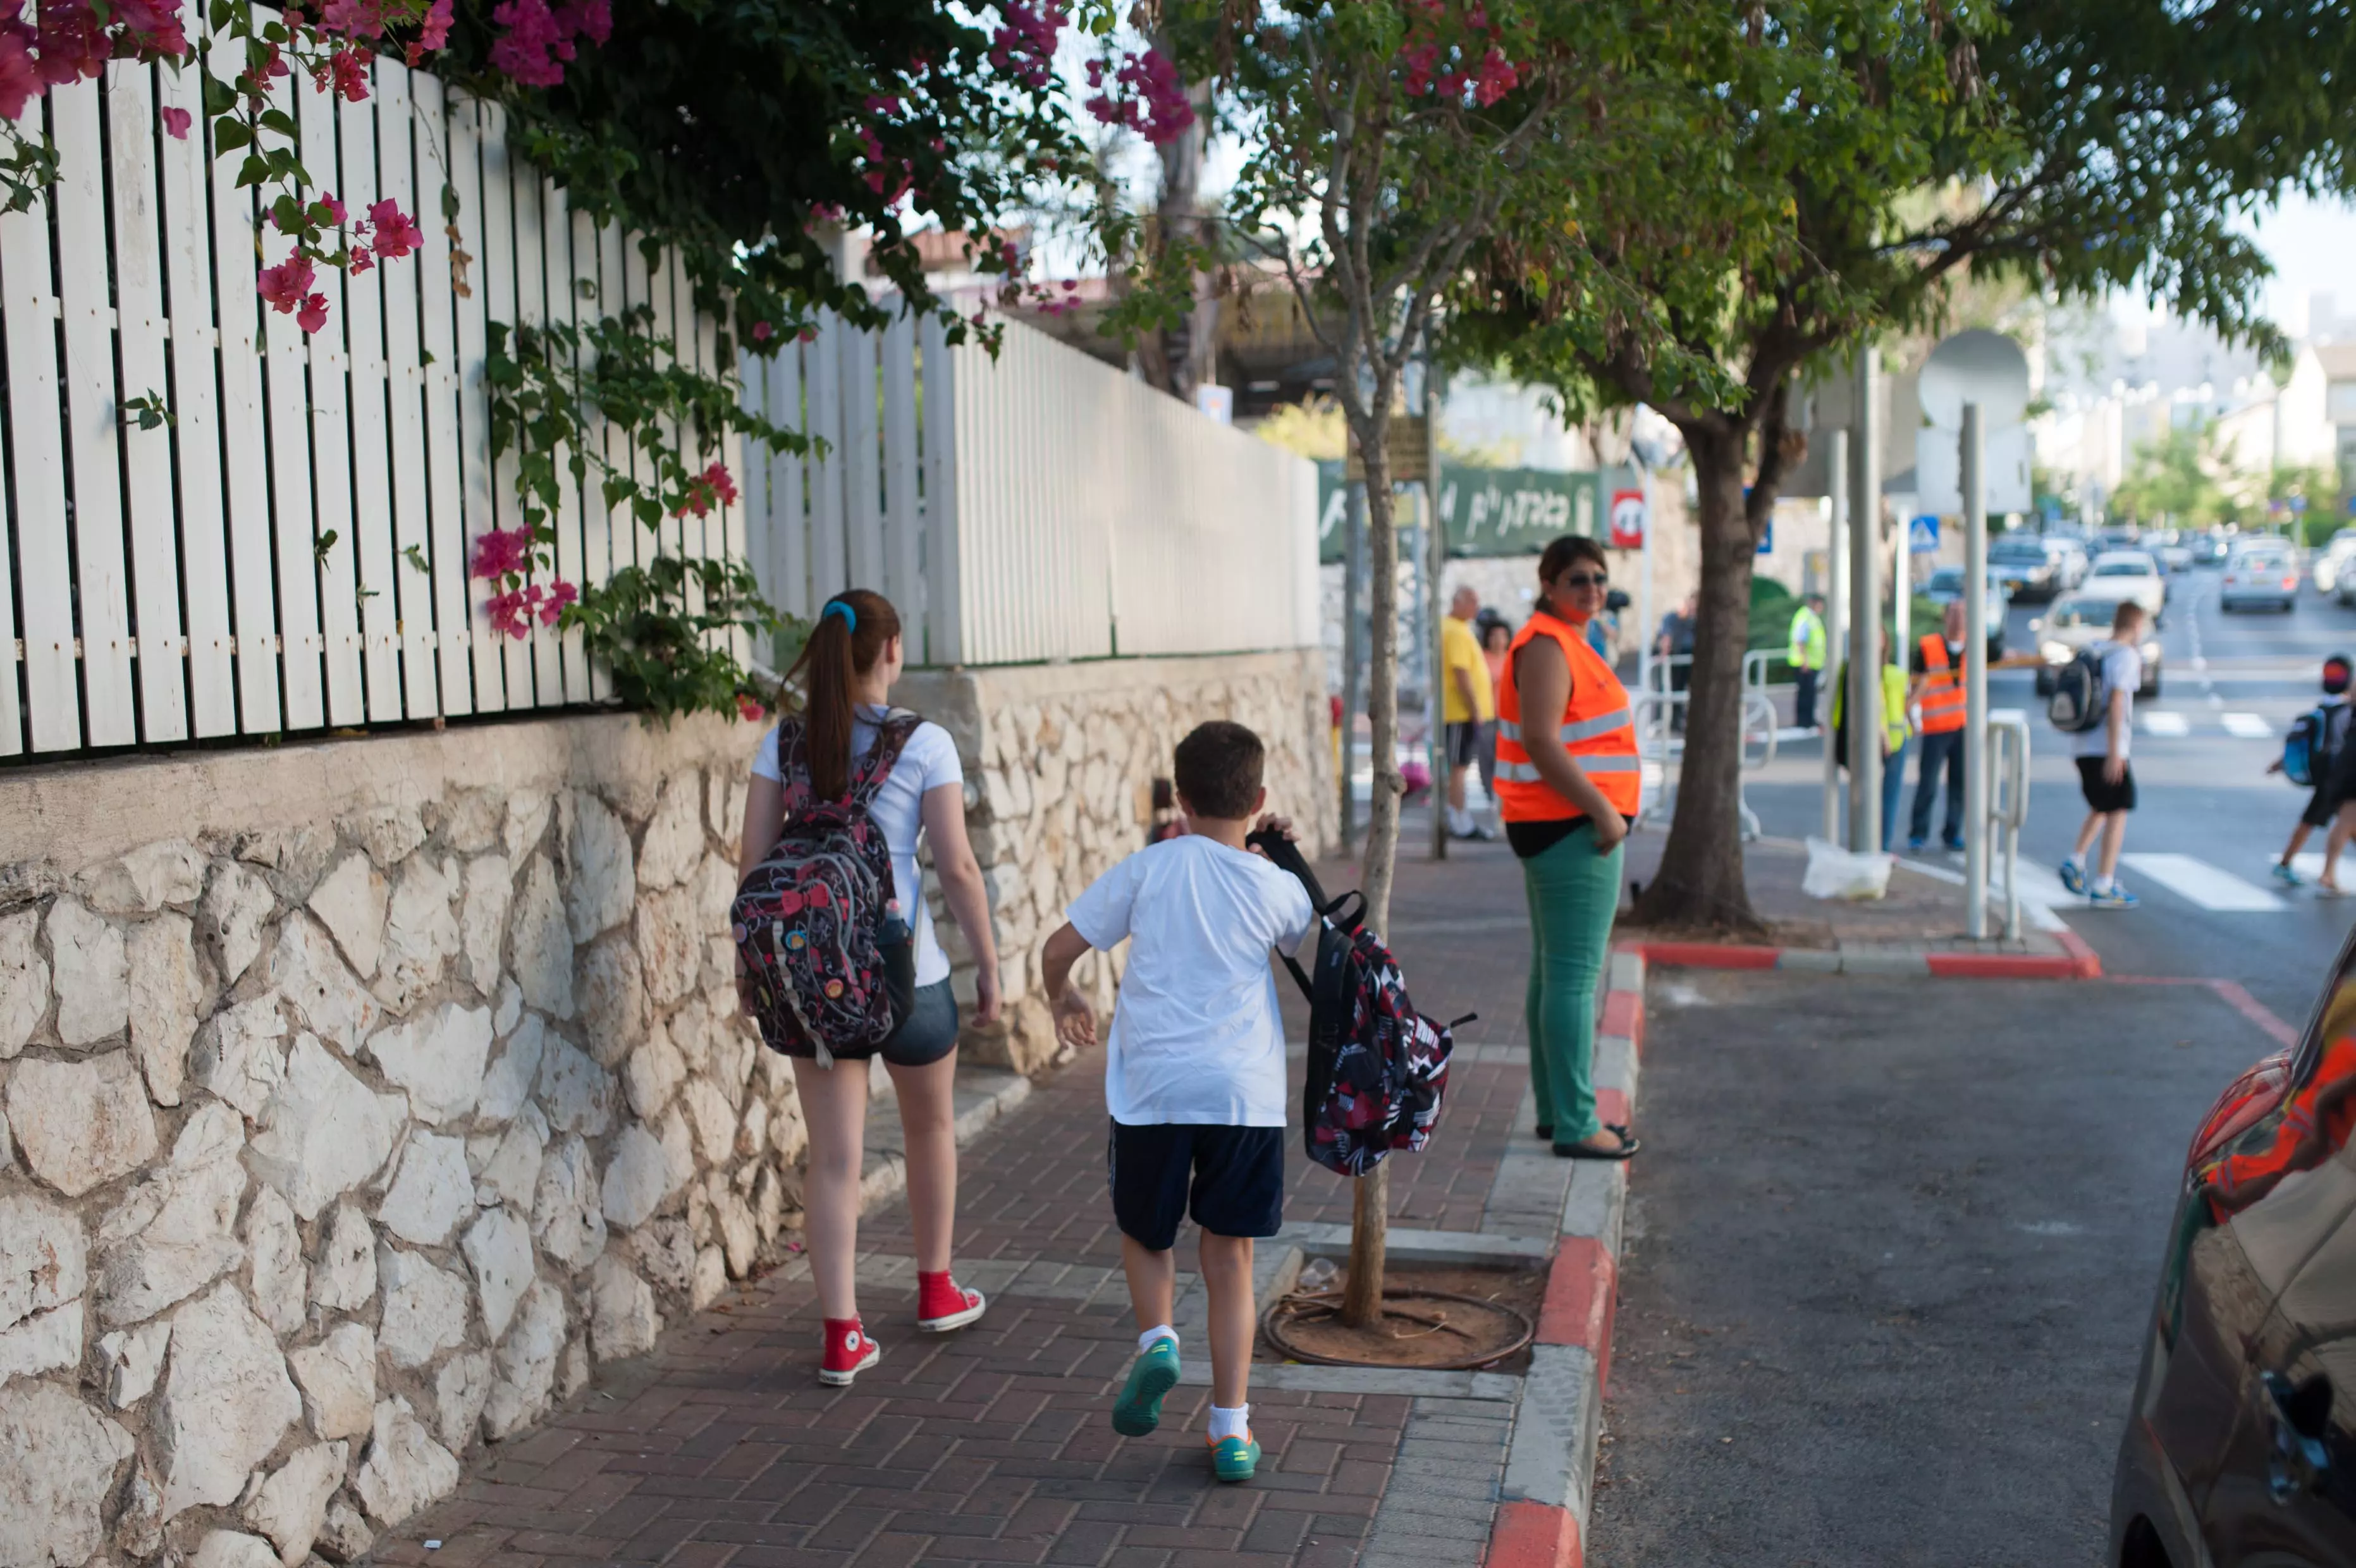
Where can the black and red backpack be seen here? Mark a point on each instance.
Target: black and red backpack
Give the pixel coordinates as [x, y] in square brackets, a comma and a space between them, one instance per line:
[828, 966]
[1377, 1068]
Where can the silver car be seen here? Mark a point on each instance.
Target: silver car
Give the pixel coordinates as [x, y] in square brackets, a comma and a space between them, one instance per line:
[2073, 622]
[2260, 575]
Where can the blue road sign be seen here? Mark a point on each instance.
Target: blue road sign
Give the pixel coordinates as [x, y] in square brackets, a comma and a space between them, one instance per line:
[1922, 535]
[1767, 539]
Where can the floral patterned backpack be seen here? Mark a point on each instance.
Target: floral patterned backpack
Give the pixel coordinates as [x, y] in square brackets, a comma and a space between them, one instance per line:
[829, 964]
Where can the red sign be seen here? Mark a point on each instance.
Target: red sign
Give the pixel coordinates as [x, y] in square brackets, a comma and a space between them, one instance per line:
[1627, 520]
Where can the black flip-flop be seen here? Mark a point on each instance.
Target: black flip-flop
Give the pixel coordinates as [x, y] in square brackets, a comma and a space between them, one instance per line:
[1627, 1149]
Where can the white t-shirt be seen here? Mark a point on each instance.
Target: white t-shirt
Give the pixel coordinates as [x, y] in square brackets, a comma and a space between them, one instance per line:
[2122, 671]
[1197, 1037]
[928, 760]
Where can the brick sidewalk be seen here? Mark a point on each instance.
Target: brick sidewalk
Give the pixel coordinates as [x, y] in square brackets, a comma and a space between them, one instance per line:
[992, 1445]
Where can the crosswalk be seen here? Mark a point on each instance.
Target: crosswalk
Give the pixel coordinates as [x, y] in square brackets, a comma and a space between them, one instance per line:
[2176, 724]
[2199, 882]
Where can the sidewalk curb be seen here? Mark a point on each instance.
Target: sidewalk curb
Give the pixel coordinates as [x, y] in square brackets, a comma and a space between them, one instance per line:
[2076, 961]
[1549, 1478]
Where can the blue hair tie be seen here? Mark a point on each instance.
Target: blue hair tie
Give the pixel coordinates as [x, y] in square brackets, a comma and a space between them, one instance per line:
[837, 607]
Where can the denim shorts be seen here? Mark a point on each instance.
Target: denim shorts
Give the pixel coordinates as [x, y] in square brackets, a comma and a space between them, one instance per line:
[928, 1033]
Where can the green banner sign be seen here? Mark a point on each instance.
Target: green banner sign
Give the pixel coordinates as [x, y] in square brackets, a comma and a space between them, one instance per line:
[1486, 511]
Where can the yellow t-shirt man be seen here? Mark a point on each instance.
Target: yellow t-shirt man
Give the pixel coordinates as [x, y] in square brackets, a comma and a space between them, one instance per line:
[1460, 650]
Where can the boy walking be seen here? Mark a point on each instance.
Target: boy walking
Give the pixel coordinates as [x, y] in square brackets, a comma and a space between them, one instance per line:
[2323, 800]
[1194, 1072]
[2103, 776]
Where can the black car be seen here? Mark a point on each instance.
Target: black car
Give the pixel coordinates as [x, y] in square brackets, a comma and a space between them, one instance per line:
[2240, 1450]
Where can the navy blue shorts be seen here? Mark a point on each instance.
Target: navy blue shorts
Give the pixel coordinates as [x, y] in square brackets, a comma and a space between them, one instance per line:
[1229, 1181]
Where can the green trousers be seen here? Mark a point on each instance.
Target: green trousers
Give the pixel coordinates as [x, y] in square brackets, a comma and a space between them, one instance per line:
[1573, 893]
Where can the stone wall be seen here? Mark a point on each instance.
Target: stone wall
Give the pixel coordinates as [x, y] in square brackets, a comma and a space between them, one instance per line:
[1060, 762]
[359, 1100]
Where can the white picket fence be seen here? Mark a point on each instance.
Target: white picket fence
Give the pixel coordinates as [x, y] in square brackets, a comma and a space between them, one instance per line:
[289, 554]
[1080, 514]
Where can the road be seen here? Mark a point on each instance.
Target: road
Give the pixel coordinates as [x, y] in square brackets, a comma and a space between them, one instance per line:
[1892, 1242]
[2231, 686]
[1889, 1248]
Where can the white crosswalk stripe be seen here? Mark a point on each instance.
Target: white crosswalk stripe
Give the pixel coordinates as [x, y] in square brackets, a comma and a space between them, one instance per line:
[2166, 723]
[2248, 726]
[2197, 882]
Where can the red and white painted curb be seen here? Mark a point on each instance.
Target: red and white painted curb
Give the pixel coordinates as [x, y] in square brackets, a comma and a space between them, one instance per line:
[2076, 961]
[1551, 1466]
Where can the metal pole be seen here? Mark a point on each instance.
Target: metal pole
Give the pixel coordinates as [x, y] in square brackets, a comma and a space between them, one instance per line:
[1645, 586]
[1437, 758]
[1976, 630]
[1354, 650]
[1865, 614]
[1835, 612]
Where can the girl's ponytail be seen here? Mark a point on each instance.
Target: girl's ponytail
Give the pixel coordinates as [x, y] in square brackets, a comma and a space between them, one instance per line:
[851, 631]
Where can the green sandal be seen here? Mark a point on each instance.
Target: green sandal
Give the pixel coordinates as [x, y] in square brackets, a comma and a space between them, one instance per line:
[1138, 1410]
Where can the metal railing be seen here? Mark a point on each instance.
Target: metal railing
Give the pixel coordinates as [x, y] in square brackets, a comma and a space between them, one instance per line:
[2008, 797]
[1657, 740]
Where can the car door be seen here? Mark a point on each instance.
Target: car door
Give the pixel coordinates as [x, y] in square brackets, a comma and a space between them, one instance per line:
[2283, 1489]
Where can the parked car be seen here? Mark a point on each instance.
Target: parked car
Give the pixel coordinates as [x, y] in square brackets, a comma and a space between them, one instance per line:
[1946, 585]
[2209, 549]
[2176, 557]
[2071, 624]
[2241, 1440]
[2114, 538]
[2261, 573]
[2029, 568]
[2132, 574]
[2331, 561]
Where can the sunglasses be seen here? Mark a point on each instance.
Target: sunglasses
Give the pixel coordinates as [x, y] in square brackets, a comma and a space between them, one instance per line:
[1582, 580]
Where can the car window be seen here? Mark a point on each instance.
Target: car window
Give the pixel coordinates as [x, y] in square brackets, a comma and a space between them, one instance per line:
[2122, 568]
[2069, 615]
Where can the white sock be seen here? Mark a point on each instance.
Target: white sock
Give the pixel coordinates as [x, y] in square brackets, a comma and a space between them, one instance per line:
[2071, 859]
[1159, 1331]
[1235, 1423]
[2102, 884]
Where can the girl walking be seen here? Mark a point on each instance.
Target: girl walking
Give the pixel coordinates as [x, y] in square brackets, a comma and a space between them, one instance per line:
[814, 759]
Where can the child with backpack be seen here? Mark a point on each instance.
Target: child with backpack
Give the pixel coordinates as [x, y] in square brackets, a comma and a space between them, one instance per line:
[1194, 1072]
[836, 957]
[2313, 756]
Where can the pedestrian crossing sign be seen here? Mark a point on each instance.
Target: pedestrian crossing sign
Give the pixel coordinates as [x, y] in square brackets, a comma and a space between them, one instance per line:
[1922, 535]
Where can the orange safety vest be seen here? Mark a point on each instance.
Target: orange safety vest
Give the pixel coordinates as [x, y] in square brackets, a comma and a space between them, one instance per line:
[1598, 730]
[1942, 688]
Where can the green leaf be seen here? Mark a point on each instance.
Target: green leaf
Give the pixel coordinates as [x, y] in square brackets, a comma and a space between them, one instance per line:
[324, 543]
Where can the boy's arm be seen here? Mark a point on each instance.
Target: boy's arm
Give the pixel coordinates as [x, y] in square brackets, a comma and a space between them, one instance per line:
[1074, 1025]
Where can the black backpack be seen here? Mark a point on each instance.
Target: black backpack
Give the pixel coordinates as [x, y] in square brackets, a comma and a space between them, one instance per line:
[1377, 1068]
[2079, 702]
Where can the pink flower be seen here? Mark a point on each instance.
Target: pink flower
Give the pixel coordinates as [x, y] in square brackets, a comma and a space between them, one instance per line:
[808, 335]
[507, 613]
[74, 44]
[763, 331]
[354, 19]
[361, 260]
[285, 284]
[314, 314]
[349, 67]
[396, 232]
[1025, 47]
[752, 711]
[176, 122]
[1147, 96]
[1498, 77]
[20, 75]
[551, 605]
[327, 210]
[501, 553]
[436, 30]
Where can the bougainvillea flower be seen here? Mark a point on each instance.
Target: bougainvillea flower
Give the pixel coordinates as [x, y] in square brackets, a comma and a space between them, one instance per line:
[396, 232]
[20, 76]
[349, 67]
[501, 552]
[763, 331]
[506, 613]
[285, 284]
[752, 711]
[314, 314]
[553, 604]
[176, 122]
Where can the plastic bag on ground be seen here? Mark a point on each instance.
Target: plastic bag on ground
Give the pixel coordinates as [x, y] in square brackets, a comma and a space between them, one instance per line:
[1837, 873]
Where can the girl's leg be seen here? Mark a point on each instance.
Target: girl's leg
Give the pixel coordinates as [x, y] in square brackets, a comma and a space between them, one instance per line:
[834, 1108]
[928, 1123]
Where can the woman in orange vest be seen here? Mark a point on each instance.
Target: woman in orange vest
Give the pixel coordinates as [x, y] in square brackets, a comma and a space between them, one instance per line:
[1567, 787]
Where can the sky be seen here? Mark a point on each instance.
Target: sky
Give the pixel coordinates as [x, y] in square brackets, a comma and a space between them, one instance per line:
[2313, 247]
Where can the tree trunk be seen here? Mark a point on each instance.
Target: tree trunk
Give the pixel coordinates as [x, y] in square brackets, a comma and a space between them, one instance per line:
[1185, 356]
[1699, 882]
[1362, 1299]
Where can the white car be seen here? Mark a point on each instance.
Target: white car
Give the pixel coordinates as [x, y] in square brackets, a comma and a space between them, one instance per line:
[2259, 574]
[2119, 574]
[2330, 570]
